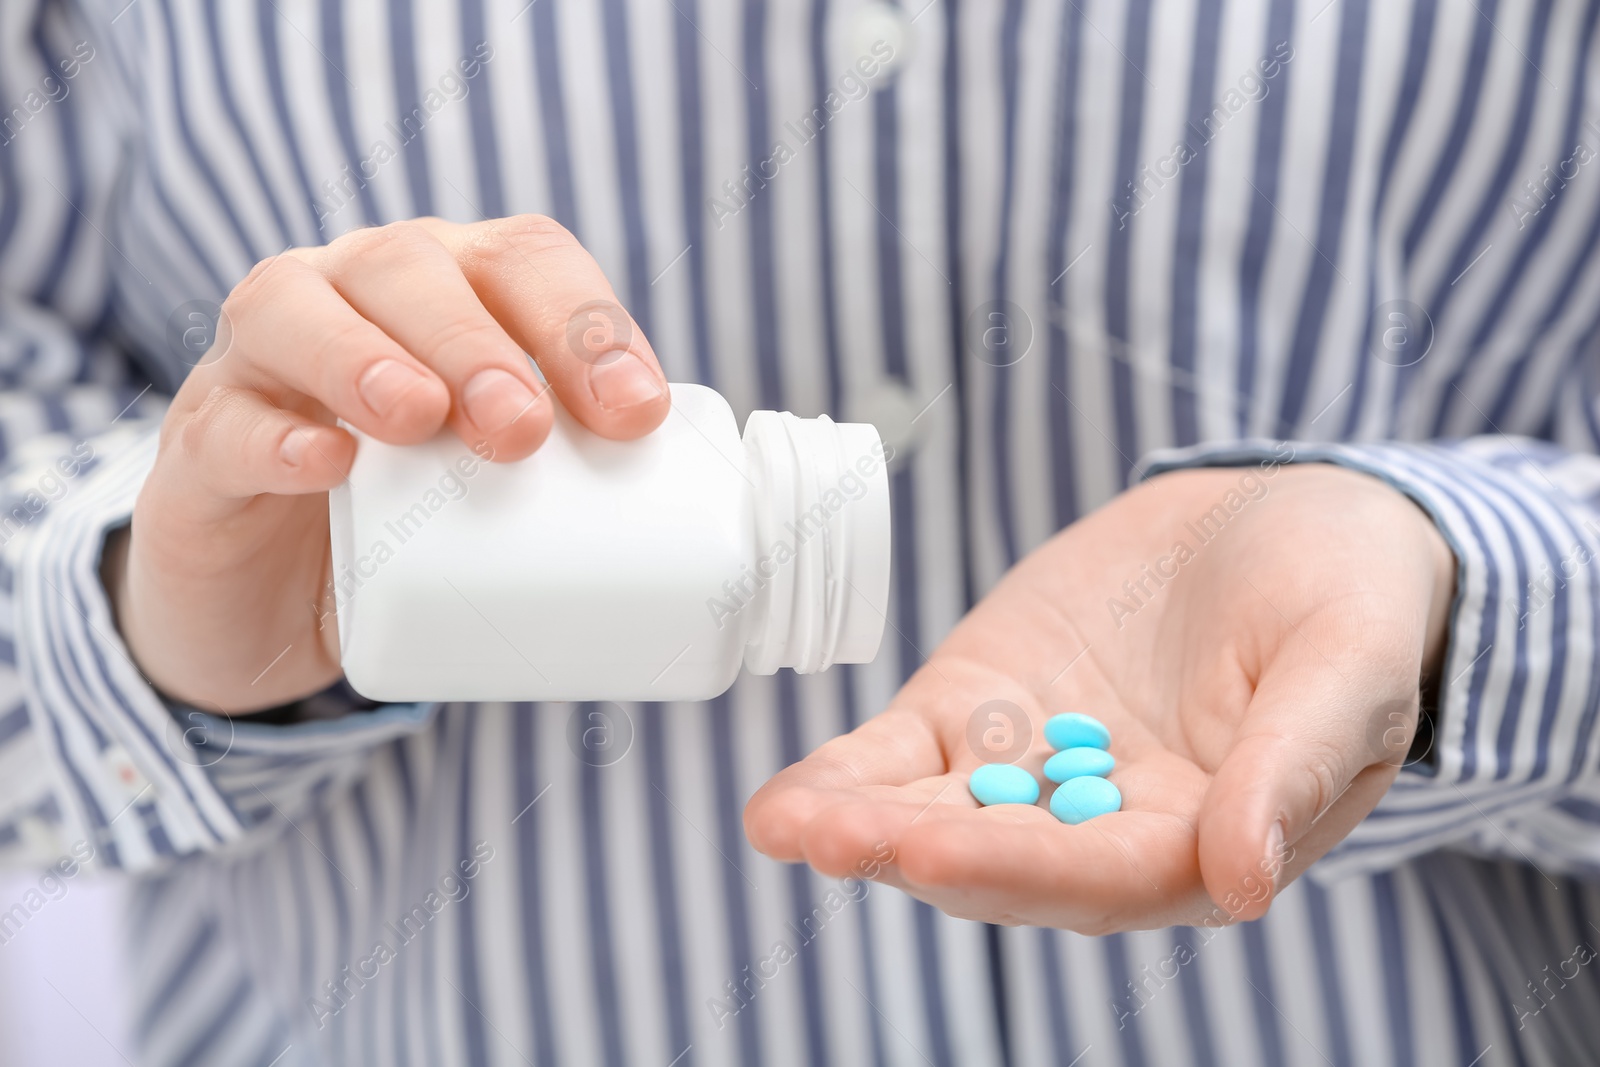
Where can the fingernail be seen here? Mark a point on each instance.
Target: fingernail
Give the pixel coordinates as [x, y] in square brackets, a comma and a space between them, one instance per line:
[383, 384]
[621, 380]
[494, 399]
[293, 449]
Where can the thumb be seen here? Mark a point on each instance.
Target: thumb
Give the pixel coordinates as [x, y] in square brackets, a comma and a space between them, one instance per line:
[1316, 751]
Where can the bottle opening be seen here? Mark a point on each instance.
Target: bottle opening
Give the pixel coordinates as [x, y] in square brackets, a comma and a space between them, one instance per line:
[822, 542]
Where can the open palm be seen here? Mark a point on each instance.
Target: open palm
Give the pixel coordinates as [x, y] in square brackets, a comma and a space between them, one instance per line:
[1254, 639]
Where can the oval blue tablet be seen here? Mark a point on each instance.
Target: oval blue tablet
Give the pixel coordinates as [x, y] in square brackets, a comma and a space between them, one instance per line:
[1080, 799]
[1077, 762]
[1003, 783]
[1071, 730]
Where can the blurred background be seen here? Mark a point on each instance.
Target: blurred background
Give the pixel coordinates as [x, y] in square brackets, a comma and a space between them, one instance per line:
[59, 995]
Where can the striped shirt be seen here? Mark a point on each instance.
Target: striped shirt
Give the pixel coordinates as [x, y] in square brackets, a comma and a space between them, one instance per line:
[1368, 229]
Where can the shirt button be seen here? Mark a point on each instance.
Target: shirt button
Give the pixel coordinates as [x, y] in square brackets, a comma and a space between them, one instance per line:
[120, 766]
[879, 40]
[899, 416]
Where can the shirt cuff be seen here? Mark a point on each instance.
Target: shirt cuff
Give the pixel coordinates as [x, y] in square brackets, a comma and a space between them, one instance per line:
[139, 780]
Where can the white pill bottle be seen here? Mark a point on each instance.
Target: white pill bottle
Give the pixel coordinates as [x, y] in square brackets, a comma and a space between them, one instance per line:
[612, 570]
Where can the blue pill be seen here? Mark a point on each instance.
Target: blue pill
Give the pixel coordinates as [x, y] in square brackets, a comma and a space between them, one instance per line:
[1072, 730]
[1003, 783]
[1081, 799]
[1077, 762]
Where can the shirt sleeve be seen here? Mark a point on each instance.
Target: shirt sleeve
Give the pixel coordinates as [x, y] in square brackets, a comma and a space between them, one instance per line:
[1511, 769]
[94, 766]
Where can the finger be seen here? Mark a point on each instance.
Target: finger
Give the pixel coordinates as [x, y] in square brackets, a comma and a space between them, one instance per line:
[1123, 871]
[237, 444]
[404, 280]
[897, 747]
[285, 327]
[1293, 783]
[890, 750]
[851, 828]
[1016, 863]
[554, 301]
[1138, 862]
[940, 721]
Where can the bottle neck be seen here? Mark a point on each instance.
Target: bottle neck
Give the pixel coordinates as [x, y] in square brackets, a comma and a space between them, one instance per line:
[821, 520]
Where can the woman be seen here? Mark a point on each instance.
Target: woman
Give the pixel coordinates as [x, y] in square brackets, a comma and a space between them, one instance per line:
[1345, 252]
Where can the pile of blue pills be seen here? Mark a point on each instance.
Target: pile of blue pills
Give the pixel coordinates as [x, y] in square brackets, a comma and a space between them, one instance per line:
[1079, 767]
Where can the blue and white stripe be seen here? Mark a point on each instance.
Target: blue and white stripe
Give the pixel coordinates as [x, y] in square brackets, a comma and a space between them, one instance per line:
[1341, 157]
